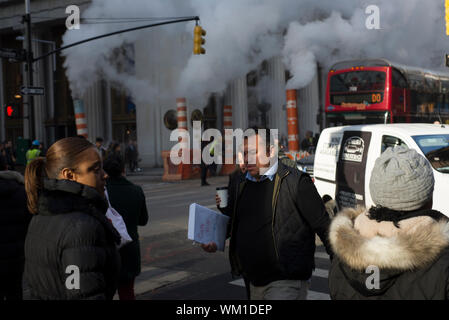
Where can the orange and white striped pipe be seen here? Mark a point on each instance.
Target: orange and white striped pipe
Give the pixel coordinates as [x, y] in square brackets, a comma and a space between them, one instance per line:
[292, 121]
[80, 118]
[182, 125]
[181, 113]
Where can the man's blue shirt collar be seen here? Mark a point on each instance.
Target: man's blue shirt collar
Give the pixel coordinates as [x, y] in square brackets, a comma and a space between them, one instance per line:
[269, 174]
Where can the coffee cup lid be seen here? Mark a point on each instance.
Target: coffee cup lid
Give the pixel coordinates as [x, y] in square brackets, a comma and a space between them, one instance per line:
[222, 188]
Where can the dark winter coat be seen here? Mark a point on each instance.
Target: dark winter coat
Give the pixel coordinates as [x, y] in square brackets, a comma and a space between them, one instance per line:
[71, 229]
[413, 264]
[14, 220]
[131, 153]
[298, 214]
[129, 200]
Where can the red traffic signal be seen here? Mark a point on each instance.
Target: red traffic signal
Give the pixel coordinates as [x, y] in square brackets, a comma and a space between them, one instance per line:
[12, 111]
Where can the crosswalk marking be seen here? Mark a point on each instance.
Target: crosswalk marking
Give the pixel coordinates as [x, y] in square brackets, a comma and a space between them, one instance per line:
[321, 273]
[322, 255]
[315, 295]
[311, 295]
[238, 282]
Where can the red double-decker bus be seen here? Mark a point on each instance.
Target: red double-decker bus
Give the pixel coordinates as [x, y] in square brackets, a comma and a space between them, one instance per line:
[379, 91]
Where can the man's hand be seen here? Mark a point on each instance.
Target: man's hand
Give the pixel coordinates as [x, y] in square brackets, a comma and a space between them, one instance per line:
[210, 247]
[217, 200]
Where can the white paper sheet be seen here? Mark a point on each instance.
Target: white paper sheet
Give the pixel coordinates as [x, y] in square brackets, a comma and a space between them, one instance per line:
[206, 225]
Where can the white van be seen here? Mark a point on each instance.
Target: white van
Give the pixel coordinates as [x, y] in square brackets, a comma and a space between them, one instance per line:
[345, 157]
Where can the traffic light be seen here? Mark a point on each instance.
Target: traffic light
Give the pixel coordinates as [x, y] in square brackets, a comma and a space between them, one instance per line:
[446, 18]
[12, 111]
[198, 40]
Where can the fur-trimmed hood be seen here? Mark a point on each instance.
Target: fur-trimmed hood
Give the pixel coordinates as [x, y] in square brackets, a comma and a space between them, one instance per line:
[406, 250]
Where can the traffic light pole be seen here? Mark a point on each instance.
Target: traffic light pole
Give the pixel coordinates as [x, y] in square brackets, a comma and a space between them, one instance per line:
[114, 33]
[29, 71]
[28, 99]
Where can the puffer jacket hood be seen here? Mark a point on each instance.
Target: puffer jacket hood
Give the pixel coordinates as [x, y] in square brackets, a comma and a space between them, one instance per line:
[62, 196]
[65, 196]
[407, 251]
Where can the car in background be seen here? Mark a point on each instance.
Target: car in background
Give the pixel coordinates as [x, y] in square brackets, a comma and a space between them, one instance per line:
[306, 164]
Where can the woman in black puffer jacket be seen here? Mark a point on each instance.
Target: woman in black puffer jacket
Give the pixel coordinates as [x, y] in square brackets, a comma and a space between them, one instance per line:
[70, 248]
[14, 220]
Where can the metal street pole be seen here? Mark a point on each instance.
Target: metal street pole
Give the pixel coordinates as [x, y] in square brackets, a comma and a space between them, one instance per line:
[114, 33]
[29, 70]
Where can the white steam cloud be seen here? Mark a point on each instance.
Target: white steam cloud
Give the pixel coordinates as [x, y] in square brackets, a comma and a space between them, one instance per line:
[243, 33]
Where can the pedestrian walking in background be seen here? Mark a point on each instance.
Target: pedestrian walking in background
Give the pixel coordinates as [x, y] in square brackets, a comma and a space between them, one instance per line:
[114, 150]
[34, 151]
[10, 155]
[69, 234]
[399, 248]
[307, 142]
[100, 148]
[131, 155]
[276, 212]
[129, 200]
[204, 167]
[14, 220]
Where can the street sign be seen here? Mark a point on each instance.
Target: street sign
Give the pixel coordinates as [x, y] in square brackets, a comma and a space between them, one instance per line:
[16, 55]
[32, 91]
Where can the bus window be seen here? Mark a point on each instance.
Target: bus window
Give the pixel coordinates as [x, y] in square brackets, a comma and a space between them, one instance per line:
[390, 141]
[398, 79]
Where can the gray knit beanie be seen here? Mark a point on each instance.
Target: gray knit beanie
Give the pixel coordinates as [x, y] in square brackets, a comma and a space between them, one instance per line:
[401, 180]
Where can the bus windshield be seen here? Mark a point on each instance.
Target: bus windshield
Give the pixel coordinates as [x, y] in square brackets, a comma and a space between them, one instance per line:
[355, 81]
[357, 87]
[436, 150]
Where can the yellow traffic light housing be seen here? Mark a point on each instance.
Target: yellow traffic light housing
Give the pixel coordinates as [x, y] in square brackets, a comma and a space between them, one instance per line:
[446, 17]
[198, 40]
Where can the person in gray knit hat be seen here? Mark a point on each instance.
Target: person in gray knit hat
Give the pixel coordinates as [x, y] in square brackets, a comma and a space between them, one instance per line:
[400, 237]
[401, 179]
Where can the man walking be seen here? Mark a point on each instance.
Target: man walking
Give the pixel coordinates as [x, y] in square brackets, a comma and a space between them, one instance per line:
[307, 142]
[100, 148]
[275, 215]
[34, 151]
[9, 154]
[131, 155]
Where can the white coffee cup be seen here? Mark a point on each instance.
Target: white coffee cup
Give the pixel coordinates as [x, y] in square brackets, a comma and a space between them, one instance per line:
[222, 192]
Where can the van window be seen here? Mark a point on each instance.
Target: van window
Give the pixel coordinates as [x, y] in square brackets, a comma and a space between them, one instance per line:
[436, 149]
[390, 141]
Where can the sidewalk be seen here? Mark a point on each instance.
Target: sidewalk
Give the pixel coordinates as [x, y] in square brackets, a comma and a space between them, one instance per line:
[147, 171]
